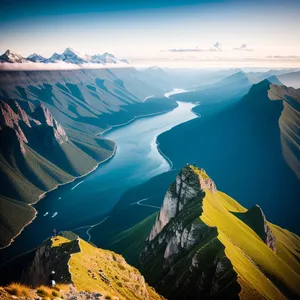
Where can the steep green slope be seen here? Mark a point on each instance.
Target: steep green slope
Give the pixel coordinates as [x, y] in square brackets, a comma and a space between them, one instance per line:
[289, 123]
[10, 222]
[86, 100]
[198, 243]
[36, 155]
[130, 242]
[49, 121]
[245, 139]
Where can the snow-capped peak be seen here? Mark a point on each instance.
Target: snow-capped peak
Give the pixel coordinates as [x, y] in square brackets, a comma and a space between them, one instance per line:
[70, 56]
[12, 57]
[34, 57]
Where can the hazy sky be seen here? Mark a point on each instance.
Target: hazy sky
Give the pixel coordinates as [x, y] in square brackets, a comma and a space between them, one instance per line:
[209, 32]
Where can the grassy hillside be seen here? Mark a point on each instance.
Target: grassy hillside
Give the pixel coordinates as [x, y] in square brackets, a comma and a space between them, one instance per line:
[87, 268]
[10, 224]
[223, 236]
[130, 242]
[289, 123]
[245, 139]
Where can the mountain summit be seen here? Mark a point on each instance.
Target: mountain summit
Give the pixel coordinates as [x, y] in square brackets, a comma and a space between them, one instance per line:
[12, 57]
[205, 245]
[82, 271]
[70, 56]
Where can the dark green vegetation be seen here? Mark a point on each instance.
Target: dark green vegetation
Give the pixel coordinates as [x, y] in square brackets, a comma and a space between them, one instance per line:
[37, 155]
[130, 242]
[241, 147]
[48, 124]
[86, 100]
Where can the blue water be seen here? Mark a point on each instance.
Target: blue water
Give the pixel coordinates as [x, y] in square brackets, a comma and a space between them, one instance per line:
[87, 200]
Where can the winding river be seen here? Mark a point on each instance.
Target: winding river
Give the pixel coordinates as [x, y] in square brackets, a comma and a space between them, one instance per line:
[85, 201]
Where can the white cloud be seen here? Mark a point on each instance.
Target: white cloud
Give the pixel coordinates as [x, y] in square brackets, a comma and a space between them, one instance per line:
[216, 47]
[243, 47]
[284, 57]
[57, 66]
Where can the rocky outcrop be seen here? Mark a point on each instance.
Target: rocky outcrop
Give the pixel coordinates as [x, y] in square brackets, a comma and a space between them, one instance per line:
[43, 115]
[87, 271]
[256, 220]
[188, 185]
[14, 117]
[48, 258]
[180, 236]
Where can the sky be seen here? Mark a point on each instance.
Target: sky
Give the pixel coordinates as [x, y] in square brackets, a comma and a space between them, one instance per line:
[190, 33]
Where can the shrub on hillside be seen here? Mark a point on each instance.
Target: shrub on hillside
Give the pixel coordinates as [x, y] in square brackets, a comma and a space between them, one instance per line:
[17, 289]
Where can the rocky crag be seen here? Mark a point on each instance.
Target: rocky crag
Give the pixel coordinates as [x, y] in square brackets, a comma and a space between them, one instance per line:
[205, 245]
[85, 272]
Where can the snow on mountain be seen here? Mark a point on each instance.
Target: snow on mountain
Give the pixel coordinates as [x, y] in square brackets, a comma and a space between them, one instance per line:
[105, 58]
[34, 57]
[12, 57]
[69, 56]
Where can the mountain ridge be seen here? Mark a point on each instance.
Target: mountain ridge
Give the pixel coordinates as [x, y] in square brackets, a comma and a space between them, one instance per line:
[80, 268]
[244, 270]
[68, 56]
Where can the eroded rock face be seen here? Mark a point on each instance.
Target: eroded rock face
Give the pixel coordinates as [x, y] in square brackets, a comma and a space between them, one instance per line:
[187, 186]
[187, 250]
[11, 119]
[43, 115]
[47, 259]
[256, 219]
[14, 117]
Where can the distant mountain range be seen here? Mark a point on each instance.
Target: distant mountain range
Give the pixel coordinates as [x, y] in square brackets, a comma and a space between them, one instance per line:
[68, 56]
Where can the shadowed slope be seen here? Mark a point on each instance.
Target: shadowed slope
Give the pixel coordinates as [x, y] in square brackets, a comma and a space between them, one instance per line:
[199, 244]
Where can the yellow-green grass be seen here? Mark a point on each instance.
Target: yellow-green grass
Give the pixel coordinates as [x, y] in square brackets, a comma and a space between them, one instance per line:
[96, 270]
[259, 269]
[19, 290]
[59, 240]
[47, 292]
[200, 172]
[288, 246]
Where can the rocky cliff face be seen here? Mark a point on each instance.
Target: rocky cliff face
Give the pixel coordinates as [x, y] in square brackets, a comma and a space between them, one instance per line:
[43, 115]
[48, 258]
[14, 117]
[178, 236]
[188, 185]
[205, 245]
[90, 272]
[256, 219]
